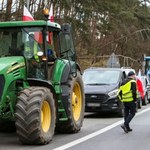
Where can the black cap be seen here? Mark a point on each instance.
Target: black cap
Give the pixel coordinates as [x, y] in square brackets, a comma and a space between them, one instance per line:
[131, 73]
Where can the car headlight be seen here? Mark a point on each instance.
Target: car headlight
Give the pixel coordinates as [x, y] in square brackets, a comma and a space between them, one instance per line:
[113, 93]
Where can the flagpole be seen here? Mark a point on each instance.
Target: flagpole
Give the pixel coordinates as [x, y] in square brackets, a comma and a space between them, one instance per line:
[27, 4]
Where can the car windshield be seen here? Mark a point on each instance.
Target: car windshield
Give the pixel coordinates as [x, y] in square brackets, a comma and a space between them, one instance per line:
[101, 77]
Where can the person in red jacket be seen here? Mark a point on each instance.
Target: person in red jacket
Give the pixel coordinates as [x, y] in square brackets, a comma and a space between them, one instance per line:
[140, 91]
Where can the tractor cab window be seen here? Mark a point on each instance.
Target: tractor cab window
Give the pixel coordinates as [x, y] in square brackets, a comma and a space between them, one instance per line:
[26, 42]
[32, 41]
[51, 52]
[32, 45]
[33, 52]
[14, 41]
[10, 42]
[66, 46]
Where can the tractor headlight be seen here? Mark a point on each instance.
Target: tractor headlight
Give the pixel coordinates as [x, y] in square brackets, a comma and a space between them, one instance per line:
[40, 53]
[113, 93]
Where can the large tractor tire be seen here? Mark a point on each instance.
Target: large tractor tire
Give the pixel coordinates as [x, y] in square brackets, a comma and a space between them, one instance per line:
[74, 102]
[35, 116]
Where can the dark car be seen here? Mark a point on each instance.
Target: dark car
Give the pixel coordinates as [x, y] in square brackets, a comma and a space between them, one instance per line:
[101, 89]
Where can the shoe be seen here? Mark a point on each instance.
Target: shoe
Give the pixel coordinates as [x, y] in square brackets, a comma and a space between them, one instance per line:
[129, 129]
[124, 128]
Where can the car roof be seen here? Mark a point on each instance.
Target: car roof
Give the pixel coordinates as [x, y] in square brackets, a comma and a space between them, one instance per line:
[128, 69]
[105, 69]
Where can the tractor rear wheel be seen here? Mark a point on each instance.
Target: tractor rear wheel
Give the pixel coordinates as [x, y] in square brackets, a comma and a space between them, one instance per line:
[73, 97]
[35, 116]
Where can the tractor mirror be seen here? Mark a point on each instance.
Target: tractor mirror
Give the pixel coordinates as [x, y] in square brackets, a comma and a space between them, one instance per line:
[66, 28]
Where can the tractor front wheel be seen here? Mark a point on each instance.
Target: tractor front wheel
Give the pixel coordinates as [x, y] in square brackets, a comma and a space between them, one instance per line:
[35, 116]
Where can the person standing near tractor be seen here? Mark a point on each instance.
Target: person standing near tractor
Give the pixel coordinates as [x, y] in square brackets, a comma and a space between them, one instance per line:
[128, 95]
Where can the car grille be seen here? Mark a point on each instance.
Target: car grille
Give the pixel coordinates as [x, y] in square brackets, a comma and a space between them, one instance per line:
[96, 97]
[2, 82]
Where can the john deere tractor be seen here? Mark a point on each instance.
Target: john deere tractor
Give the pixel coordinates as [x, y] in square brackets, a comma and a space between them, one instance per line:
[41, 87]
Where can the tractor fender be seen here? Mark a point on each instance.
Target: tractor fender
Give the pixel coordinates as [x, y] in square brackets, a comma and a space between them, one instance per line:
[67, 71]
[79, 68]
[38, 82]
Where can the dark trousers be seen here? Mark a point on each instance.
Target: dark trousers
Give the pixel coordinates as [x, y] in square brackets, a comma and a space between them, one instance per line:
[129, 112]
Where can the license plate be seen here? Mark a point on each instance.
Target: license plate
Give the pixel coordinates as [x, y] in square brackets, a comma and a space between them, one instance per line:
[93, 104]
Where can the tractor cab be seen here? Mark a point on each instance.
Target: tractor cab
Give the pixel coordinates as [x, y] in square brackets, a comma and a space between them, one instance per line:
[38, 42]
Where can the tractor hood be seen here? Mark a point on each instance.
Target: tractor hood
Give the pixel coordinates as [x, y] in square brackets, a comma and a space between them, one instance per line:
[12, 70]
[9, 64]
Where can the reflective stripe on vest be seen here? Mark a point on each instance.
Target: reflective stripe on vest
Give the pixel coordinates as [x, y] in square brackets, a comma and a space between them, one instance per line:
[127, 95]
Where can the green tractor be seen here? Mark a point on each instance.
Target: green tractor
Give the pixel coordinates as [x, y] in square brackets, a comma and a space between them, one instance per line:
[41, 87]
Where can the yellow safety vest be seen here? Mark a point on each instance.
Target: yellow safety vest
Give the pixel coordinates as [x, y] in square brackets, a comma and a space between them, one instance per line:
[127, 95]
[35, 49]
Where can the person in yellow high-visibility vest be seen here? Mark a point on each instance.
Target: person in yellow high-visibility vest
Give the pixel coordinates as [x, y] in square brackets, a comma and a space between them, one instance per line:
[128, 95]
[31, 48]
[30, 52]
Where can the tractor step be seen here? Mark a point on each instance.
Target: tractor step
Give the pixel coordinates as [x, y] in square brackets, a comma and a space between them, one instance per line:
[61, 112]
[63, 119]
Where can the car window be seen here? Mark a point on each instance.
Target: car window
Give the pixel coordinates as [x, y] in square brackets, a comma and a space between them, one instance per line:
[101, 76]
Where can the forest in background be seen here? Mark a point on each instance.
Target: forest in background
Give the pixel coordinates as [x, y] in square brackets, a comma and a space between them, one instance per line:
[101, 27]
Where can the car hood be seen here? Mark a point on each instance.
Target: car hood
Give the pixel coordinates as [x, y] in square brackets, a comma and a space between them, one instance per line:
[99, 89]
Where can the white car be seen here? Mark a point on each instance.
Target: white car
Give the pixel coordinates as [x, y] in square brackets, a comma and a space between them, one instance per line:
[146, 87]
[127, 70]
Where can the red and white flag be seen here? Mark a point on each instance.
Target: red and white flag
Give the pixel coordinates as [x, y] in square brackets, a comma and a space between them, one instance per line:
[51, 19]
[26, 15]
[51, 16]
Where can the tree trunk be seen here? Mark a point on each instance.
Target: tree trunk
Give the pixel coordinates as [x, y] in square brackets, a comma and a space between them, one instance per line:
[8, 10]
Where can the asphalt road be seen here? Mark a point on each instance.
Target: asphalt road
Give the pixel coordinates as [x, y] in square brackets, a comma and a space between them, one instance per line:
[99, 132]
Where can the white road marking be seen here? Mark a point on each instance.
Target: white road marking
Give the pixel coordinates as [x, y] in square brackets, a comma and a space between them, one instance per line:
[73, 143]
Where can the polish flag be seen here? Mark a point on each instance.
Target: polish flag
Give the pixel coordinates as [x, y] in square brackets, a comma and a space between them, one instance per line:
[26, 15]
[51, 19]
[51, 16]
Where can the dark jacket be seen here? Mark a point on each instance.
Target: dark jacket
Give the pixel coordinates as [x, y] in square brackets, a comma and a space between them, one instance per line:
[133, 88]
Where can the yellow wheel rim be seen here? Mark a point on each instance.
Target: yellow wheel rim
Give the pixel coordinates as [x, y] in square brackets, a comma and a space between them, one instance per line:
[76, 101]
[45, 116]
